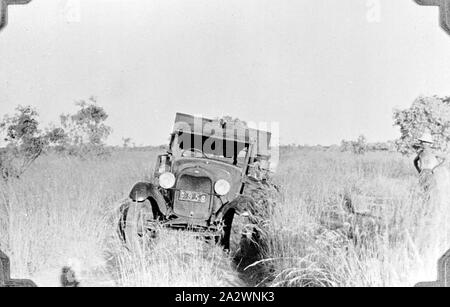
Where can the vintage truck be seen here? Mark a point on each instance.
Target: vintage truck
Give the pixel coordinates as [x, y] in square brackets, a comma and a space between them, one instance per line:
[212, 171]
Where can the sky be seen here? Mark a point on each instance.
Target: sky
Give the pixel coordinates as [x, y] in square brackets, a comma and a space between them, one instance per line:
[323, 70]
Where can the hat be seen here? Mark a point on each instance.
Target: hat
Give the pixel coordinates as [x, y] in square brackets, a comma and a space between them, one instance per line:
[426, 138]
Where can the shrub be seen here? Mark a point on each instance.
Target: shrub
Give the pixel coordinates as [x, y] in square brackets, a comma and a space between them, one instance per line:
[426, 114]
[357, 147]
[25, 142]
[85, 132]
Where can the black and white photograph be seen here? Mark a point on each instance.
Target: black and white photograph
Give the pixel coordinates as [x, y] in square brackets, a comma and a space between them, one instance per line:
[224, 151]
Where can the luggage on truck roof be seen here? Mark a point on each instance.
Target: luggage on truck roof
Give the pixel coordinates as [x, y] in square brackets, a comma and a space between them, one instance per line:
[223, 130]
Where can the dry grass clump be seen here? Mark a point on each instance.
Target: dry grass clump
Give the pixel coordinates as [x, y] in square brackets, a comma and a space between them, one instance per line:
[175, 259]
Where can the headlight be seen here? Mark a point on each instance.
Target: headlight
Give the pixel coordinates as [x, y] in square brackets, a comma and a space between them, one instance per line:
[167, 180]
[222, 187]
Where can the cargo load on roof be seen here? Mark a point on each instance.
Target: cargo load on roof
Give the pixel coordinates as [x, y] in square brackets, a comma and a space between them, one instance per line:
[222, 130]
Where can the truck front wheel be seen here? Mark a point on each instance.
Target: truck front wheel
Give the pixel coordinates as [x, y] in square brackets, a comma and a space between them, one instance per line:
[138, 224]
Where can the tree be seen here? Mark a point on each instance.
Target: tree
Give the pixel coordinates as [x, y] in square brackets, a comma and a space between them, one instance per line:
[126, 142]
[358, 147]
[81, 133]
[25, 142]
[426, 114]
[86, 130]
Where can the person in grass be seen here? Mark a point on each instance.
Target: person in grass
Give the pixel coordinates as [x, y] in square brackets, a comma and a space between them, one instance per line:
[434, 169]
[427, 160]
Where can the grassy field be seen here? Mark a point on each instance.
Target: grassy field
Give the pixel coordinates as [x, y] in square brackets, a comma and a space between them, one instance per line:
[60, 212]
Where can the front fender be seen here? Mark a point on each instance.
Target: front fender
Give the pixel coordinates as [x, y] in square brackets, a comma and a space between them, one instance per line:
[242, 205]
[145, 190]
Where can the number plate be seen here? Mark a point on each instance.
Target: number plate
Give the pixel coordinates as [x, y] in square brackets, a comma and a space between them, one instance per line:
[193, 196]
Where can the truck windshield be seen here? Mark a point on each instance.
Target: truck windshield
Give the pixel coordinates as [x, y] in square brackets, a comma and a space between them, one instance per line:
[195, 145]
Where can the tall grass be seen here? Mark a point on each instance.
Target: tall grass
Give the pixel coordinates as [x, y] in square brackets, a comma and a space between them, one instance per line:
[410, 234]
[59, 214]
[55, 214]
[175, 259]
[62, 213]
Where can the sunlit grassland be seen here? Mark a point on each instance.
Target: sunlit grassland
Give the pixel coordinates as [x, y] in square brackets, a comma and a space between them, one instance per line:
[60, 212]
[410, 232]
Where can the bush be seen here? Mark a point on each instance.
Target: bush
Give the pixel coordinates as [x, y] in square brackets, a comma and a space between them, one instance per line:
[426, 114]
[85, 132]
[81, 134]
[25, 142]
[358, 147]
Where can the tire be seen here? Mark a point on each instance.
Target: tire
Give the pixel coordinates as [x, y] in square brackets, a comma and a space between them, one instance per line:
[138, 224]
[240, 239]
[266, 196]
[252, 229]
[227, 227]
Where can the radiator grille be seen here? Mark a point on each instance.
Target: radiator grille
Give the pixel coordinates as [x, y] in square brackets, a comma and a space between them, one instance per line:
[193, 184]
